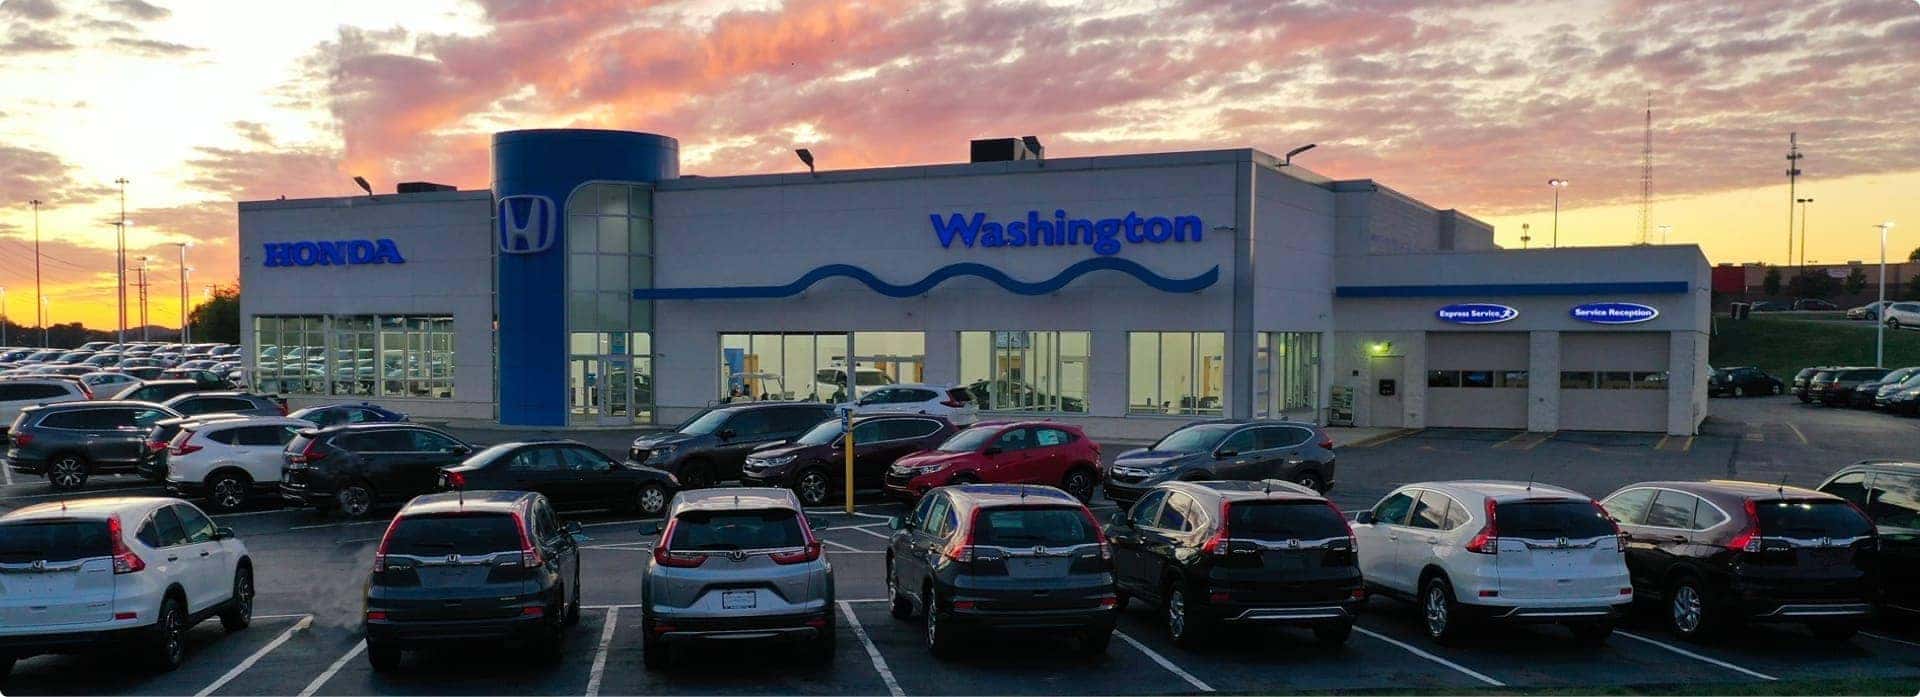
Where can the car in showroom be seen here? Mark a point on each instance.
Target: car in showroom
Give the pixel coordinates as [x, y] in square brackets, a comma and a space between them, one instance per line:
[1211, 553]
[466, 567]
[1473, 553]
[711, 447]
[950, 402]
[1006, 452]
[1246, 450]
[814, 464]
[70, 442]
[1719, 554]
[1889, 492]
[357, 467]
[975, 560]
[734, 565]
[229, 462]
[569, 473]
[123, 577]
[1743, 381]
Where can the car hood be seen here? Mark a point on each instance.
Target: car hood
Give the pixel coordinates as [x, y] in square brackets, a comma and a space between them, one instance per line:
[662, 439]
[773, 451]
[1142, 457]
[934, 457]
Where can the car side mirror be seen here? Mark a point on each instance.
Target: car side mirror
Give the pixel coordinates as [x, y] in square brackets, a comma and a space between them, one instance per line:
[1364, 518]
[1225, 453]
[896, 523]
[992, 451]
[651, 527]
[726, 434]
[223, 533]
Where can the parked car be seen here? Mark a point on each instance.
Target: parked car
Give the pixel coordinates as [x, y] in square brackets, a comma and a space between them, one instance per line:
[814, 465]
[734, 564]
[1769, 306]
[1902, 315]
[120, 575]
[1232, 552]
[17, 394]
[355, 468]
[711, 447]
[1903, 399]
[1470, 552]
[1889, 492]
[1866, 394]
[1010, 452]
[948, 401]
[105, 383]
[569, 473]
[161, 390]
[70, 442]
[153, 462]
[242, 403]
[1247, 450]
[1720, 553]
[1868, 311]
[1835, 387]
[473, 566]
[1743, 381]
[147, 372]
[338, 414]
[1000, 558]
[1814, 305]
[1804, 379]
[229, 462]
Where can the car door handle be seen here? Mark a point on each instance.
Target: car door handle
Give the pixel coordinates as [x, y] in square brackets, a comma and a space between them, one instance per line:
[1677, 538]
[173, 558]
[206, 554]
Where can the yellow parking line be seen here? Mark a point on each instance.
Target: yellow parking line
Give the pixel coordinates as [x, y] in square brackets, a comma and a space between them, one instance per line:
[1510, 441]
[1662, 445]
[1378, 440]
[1535, 443]
[1688, 446]
[1798, 434]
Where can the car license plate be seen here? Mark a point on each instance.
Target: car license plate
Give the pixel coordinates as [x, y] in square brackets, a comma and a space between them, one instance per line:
[738, 600]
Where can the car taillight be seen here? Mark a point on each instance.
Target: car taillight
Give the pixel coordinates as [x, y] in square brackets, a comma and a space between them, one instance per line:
[1352, 542]
[1326, 440]
[1488, 539]
[311, 453]
[1749, 538]
[805, 554]
[960, 550]
[456, 480]
[530, 556]
[1218, 545]
[950, 404]
[678, 560]
[1099, 534]
[185, 446]
[377, 615]
[124, 560]
[22, 439]
[380, 553]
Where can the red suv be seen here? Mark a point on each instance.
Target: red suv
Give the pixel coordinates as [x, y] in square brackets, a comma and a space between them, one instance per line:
[1016, 452]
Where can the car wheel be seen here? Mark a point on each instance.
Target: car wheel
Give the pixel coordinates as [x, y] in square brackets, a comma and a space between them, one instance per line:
[169, 648]
[67, 472]
[696, 474]
[1079, 483]
[1591, 633]
[1120, 600]
[1333, 634]
[227, 492]
[939, 636]
[1442, 614]
[355, 500]
[1310, 480]
[1777, 389]
[651, 500]
[239, 611]
[1182, 626]
[1739, 391]
[813, 487]
[897, 605]
[383, 657]
[1688, 613]
[1837, 631]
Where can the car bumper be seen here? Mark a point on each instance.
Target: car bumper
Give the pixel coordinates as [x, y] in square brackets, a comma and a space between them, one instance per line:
[1128, 492]
[24, 645]
[419, 632]
[1036, 620]
[304, 495]
[1283, 613]
[778, 478]
[1550, 614]
[776, 628]
[24, 465]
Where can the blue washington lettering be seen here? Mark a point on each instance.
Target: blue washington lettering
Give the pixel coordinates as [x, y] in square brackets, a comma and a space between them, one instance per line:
[1105, 235]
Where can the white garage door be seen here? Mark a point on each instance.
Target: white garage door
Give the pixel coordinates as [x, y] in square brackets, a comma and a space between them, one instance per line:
[1613, 381]
[1477, 379]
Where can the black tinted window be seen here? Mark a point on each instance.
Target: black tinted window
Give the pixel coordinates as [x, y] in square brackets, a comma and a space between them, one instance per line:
[76, 420]
[1394, 509]
[535, 460]
[1147, 508]
[1029, 527]
[1630, 507]
[21, 393]
[1538, 520]
[1671, 509]
[1851, 486]
[436, 536]
[428, 441]
[166, 528]
[730, 530]
[1284, 520]
[1281, 437]
[907, 429]
[751, 423]
[1016, 439]
[796, 420]
[1810, 519]
[915, 395]
[54, 541]
[375, 441]
[1430, 512]
[228, 437]
[1896, 501]
[1176, 514]
[197, 526]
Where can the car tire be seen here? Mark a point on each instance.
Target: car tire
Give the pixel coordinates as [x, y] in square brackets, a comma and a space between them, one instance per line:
[1310, 480]
[1777, 389]
[1333, 633]
[696, 474]
[227, 492]
[1176, 616]
[1690, 615]
[813, 487]
[6, 668]
[1095, 641]
[553, 646]
[355, 500]
[964, 478]
[239, 611]
[168, 648]
[939, 634]
[897, 605]
[572, 616]
[1441, 613]
[383, 657]
[1835, 631]
[1079, 482]
[1591, 633]
[68, 471]
[1120, 600]
[650, 500]
[1739, 391]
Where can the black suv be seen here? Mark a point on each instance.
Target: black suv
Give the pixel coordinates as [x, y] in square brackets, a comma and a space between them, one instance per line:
[1834, 386]
[480, 565]
[71, 441]
[1227, 449]
[1722, 552]
[1802, 380]
[710, 447]
[1744, 381]
[1238, 552]
[354, 468]
[163, 390]
[814, 464]
[1890, 494]
[1002, 557]
[568, 473]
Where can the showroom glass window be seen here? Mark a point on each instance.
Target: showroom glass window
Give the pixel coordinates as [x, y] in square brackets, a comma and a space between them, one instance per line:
[1026, 371]
[801, 366]
[1287, 374]
[610, 377]
[609, 254]
[1176, 372]
[395, 356]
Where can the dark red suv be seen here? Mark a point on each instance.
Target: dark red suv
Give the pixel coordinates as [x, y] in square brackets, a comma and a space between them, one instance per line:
[1006, 452]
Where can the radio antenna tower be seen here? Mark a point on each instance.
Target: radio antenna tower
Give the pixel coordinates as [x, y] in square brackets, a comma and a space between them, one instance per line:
[1793, 177]
[1646, 175]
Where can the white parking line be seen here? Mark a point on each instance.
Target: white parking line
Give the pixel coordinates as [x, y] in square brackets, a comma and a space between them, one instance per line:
[281, 617]
[1469, 672]
[1888, 638]
[875, 534]
[600, 655]
[837, 545]
[321, 681]
[873, 652]
[305, 621]
[339, 525]
[1690, 654]
[1164, 663]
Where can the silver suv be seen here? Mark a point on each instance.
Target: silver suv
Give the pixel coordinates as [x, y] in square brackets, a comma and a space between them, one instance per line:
[733, 564]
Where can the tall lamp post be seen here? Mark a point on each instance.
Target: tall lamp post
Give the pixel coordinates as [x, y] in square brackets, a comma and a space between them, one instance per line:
[1664, 229]
[45, 314]
[1880, 332]
[1557, 185]
[39, 317]
[1803, 227]
[3, 315]
[1526, 230]
[120, 260]
[186, 336]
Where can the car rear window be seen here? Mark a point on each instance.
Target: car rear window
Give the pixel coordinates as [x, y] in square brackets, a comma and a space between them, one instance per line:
[1284, 520]
[1032, 526]
[1539, 520]
[468, 534]
[725, 531]
[55, 541]
[1810, 519]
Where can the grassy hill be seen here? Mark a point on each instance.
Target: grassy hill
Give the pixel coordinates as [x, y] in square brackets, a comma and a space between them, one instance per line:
[1784, 346]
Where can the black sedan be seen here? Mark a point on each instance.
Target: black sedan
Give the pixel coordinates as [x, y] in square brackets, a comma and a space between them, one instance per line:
[569, 473]
[1743, 381]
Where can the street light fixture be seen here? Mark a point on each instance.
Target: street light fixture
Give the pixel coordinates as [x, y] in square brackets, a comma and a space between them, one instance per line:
[1525, 236]
[186, 336]
[1803, 227]
[1664, 229]
[1880, 332]
[1287, 160]
[1557, 185]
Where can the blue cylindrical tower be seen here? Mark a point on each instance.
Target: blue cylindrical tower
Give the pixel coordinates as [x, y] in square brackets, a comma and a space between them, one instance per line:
[534, 172]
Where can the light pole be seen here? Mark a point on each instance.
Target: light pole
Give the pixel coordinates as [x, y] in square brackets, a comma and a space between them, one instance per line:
[1803, 227]
[186, 336]
[45, 314]
[143, 299]
[3, 315]
[39, 317]
[120, 260]
[1557, 185]
[1525, 229]
[1880, 332]
[1664, 229]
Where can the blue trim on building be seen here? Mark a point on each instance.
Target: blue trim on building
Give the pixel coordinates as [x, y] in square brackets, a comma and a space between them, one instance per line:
[1492, 289]
[940, 275]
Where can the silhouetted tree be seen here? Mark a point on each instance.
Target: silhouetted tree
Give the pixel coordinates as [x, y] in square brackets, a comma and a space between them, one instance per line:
[218, 319]
[1856, 281]
[1771, 284]
[1813, 284]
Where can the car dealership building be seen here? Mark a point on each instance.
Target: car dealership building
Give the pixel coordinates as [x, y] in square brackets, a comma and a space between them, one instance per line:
[594, 285]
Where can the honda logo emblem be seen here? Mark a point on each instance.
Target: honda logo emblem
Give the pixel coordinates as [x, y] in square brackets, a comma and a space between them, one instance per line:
[737, 555]
[1564, 543]
[38, 565]
[528, 224]
[453, 559]
[1293, 544]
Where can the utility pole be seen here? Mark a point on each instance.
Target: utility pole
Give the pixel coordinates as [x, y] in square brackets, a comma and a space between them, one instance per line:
[186, 336]
[1525, 234]
[1793, 177]
[120, 260]
[143, 299]
[1646, 175]
[39, 301]
[3, 315]
[1880, 331]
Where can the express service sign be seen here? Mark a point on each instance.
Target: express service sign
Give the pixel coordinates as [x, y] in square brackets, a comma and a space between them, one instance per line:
[1613, 313]
[1476, 313]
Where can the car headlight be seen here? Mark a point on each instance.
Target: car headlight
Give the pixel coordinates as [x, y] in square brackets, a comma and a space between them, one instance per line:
[773, 461]
[660, 454]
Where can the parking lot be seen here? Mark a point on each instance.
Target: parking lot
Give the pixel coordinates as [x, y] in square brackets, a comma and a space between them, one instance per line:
[306, 638]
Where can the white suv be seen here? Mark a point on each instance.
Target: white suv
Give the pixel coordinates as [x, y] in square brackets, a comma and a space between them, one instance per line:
[954, 403]
[1474, 551]
[20, 393]
[117, 574]
[229, 460]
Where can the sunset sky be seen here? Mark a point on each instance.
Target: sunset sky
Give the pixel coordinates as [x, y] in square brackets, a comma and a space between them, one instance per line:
[1461, 103]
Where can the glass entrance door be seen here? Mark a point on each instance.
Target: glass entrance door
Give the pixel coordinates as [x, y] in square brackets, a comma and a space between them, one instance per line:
[603, 390]
[618, 390]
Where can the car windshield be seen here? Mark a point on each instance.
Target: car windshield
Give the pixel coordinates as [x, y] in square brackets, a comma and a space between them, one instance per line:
[1284, 520]
[705, 423]
[1546, 520]
[440, 535]
[1811, 519]
[54, 541]
[822, 434]
[1194, 439]
[968, 440]
[1029, 527]
[726, 531]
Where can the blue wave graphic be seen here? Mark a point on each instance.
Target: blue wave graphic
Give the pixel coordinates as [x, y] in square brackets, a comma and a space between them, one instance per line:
[939, 276]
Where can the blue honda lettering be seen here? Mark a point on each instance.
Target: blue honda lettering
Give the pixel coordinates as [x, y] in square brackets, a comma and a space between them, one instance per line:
[359, 252]
[386, 253]
[331, 253]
